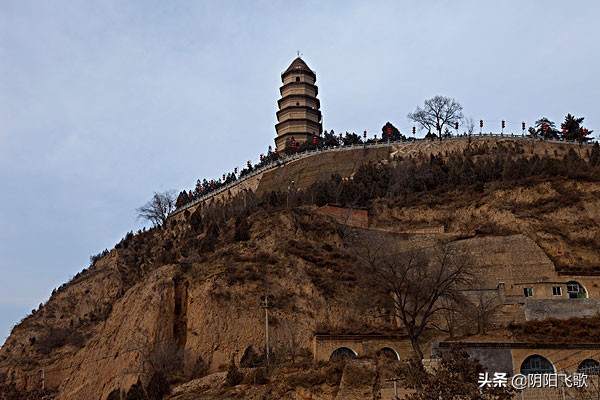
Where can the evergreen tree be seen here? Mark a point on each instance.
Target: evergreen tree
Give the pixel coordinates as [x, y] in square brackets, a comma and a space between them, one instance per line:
[546, 128]
[573, 129]
[395, 133]
[330, 139]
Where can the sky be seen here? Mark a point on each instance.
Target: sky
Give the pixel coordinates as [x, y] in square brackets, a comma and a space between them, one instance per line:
[104, 102]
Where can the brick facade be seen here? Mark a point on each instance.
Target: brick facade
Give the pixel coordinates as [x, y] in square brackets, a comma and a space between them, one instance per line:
[357, 217]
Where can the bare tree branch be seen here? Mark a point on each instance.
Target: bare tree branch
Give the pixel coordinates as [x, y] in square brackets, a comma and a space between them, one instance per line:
[437, 113]
[158, 208]
[419, 284]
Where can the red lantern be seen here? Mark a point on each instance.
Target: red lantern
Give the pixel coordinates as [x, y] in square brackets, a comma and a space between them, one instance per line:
[294, 144]
[503, 124]
[414, 130]
[389, 131]
[235, 170]
[276, 151]
[223, 176]
[481, 123]
[544, 128]
[585, 132]
[315, 140]
[212, 182]
[523, 125]
[261, 158]
[456, 125]
[365, 134]
[248, 163]
[341, 137]
[564, 129]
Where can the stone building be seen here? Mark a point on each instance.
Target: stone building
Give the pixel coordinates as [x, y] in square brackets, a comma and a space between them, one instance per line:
[299, 117]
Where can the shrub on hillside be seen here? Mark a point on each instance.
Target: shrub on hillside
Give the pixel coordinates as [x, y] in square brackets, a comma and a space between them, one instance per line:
[552, 330]
[136, 392]
[199, 369]
[158, 386]
[251, 358]
[234, 377]
[242, 229]
[57, 338]
[114, 395]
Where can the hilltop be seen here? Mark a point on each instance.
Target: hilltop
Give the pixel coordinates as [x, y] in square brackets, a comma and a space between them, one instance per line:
[185, 298]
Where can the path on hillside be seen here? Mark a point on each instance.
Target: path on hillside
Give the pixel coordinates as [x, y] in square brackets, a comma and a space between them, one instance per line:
[410, 147]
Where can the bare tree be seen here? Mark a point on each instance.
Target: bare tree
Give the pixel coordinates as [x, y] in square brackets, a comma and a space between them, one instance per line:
[437, 113]
[292, 339]
[469, 125]
[158, 208]
[482, 307]
[419, 285]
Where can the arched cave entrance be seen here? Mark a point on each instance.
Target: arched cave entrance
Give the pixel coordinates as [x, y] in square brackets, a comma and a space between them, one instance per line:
[390, 353]
[342, 352]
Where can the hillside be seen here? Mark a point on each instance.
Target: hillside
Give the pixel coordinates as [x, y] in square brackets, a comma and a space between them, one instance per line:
[185, 298]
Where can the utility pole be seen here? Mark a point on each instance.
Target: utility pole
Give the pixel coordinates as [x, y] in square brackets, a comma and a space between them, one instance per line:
[266, 305]
[395, 380]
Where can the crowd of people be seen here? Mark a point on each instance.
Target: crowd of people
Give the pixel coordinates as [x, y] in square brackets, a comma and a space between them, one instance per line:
[206, 186]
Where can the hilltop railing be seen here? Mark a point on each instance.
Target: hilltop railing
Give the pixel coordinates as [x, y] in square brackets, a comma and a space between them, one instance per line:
[308, 153]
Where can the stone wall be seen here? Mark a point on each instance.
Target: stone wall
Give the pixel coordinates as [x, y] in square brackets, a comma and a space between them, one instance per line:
[507, 259]
[494, 357]
[539, 309]
[325, 345]
[508, 357]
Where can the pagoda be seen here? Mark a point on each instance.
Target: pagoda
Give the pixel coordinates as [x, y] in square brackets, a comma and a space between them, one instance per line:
[299, 117]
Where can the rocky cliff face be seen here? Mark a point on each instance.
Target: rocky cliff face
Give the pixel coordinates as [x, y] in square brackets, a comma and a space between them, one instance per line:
[108, 327]
[561, 216]
[186, 298]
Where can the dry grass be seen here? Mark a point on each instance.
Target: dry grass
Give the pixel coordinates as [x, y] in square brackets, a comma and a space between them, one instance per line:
[551, 330]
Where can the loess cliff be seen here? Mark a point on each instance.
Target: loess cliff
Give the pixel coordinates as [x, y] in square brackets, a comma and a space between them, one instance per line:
[186, 297]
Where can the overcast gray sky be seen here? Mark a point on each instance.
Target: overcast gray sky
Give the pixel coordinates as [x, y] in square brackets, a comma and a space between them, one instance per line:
[104, 102]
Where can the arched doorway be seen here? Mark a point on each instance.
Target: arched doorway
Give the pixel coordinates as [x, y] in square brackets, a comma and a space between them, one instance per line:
[536, 364]
[342, 352]
[589, 367]
[575, 290]
[390, 353]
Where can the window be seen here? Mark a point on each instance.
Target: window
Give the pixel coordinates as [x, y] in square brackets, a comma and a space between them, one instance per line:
[536, 365]
[576, 291]
[589, 367]
[297, 103]
[297, 79]
[528, 291]
[556, 291]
